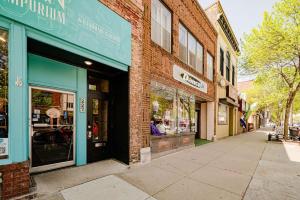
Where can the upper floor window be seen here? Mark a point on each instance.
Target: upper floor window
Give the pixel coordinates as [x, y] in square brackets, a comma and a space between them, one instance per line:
[210, 67]
[3, 94]
[183, 43]
[190, 50]
[233, 75]
[228, 66]
[199, 59]
[161, 25]
[221, 61]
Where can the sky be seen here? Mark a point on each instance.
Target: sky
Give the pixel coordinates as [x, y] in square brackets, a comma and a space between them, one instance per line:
[243, 16]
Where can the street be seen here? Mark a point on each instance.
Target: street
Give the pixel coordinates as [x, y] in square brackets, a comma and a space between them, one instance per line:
[241, 167]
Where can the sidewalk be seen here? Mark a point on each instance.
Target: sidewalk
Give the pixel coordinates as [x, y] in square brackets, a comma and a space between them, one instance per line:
[240, 167]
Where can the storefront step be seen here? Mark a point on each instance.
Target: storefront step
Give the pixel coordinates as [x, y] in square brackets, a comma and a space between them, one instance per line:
[50, 183]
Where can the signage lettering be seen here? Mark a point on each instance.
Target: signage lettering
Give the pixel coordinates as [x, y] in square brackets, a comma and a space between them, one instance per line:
[185, 77]
[87, 24]
[44, 8]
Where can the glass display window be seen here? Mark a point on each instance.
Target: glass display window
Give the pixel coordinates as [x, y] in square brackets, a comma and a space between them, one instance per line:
[163, 109]
[172, 111]
[186, 112]
[222, 115]
[3, 94]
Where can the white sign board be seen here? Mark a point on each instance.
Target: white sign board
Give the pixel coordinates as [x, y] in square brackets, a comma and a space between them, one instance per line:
[3, 147]
[185, 77]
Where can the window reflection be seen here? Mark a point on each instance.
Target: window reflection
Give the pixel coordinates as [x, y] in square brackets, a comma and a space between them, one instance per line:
[172, 111]
[3, 94]
[52, 127]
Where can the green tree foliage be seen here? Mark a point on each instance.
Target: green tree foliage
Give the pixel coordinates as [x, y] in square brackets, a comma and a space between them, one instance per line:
[272, 51]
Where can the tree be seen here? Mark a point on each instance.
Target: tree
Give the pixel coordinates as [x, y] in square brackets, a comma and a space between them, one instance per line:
[275, 46]
[268, 93]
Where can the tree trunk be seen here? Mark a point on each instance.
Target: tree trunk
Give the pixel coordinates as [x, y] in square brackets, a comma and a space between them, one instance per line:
[286, 119]
[288, 106]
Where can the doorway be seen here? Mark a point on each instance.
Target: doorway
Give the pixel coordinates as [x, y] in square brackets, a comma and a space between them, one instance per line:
[197, 124]
[52, 128]
[98, 146]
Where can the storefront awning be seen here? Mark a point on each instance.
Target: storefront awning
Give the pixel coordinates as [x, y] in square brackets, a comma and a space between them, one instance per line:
[229, 102]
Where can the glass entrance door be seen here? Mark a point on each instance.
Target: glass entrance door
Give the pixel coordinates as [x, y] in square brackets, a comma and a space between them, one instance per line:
[52, 128]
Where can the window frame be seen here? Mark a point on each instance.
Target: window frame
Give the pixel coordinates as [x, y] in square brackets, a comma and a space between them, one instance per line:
[186, 61]
[233, 75]
[222, 62]
[208, 54]
[228, 61]
[163, 8]
[226, 121]
[5, 28]
[191, 36]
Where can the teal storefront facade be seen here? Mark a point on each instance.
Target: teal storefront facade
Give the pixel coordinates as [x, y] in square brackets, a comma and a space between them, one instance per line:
[88, 29]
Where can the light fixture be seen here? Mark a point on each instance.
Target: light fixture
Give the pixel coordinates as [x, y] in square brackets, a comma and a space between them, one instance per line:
[2, 39]
[87, 62]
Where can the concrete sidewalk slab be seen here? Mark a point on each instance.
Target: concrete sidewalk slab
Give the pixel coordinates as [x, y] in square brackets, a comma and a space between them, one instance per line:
[227, 180]
[54, 181]
[109, 187]
[150, 178]
[176, 165]
[269, 190]
[188, 189]
[237, 165]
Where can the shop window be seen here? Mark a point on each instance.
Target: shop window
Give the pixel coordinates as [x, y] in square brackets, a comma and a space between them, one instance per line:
[233, 75]
[228, 66]
[161, 25]
[163, 109]
[210, 67]
[172, 111]
[221, 62]
[3, 94]
[186, 113]
[222, 115]
[182, 43]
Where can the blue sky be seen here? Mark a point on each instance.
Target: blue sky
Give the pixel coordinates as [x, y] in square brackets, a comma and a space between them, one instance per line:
[243, 15]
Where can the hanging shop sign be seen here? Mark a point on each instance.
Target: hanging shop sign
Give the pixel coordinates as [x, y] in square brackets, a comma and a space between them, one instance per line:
[185, 77]
[88, 24]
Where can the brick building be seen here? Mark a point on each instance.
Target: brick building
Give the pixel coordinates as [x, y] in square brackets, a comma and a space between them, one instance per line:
[227, 116]
[179, 75]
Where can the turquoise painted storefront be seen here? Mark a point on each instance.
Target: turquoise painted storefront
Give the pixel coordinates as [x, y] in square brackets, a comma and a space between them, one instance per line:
[86, 28]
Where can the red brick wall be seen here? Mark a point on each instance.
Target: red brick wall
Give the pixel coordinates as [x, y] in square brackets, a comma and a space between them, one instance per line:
[158, 63]
[15, 180]
[132, 11]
